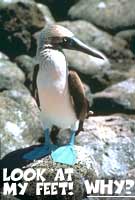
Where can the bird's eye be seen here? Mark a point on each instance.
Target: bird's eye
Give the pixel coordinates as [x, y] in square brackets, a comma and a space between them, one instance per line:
[65, 40]
[68, 41]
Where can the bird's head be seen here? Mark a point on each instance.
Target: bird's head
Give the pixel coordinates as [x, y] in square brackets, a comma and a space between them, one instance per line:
[59, 37]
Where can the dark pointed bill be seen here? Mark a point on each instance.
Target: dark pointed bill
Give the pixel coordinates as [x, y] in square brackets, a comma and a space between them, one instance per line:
[80, 46]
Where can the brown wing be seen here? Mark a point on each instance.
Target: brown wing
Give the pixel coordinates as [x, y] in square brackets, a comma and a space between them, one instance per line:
[76, 89]
[34, 85]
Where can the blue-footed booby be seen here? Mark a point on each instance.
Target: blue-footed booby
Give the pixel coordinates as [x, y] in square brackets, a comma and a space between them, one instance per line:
[60, 91]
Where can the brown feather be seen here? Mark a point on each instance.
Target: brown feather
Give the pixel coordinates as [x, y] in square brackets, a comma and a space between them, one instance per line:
[76, 89]
[34, 85]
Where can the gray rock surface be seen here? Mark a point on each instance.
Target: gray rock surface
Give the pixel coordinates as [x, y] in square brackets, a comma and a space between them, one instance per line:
[111, 141]
[6, 2]
[3, 56]
[129, 36]
[26, 64]
[18, 21]
[85, 169]
[59, 8]
[81, 171]
[114, 76]
[19, 120]
[9, 70]
[112, 15]
[116, 98]
[46, 13]
[8, 197]
[131, 72]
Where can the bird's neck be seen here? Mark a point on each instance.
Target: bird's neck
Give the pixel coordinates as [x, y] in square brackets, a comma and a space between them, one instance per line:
[53, 66]
[53, 57]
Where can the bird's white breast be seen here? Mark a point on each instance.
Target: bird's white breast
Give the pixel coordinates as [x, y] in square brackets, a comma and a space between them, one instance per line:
[52, 81]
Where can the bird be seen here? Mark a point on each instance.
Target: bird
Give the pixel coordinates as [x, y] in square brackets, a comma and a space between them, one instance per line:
[59, 91]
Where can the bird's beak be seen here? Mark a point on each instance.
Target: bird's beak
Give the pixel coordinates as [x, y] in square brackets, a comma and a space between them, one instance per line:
[80, 46]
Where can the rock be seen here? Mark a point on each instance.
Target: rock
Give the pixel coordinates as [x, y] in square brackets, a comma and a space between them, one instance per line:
[59, 9]
[85, 168]
[99, 82]
[3, 56]
[7, 84]
[88, 94]
[10, 71]
[47, 14]
[110, 15]
[9, 197]
[18, 22]
[111, 141]
[15, 1]
[131, 173]
[114, 76]
[116, 98]
[19, 120]
[129, 36]
[25, 63]
[96, 82]
[54, 1]
[123, 66]
[113, 47]
[131, 72]
[18, 92]
[80, 172]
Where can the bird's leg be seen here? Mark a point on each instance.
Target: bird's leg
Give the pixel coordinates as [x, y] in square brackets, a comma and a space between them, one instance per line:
[66, 154]
[47, 137]
[72, 138]
[47, 143]
[45, 149]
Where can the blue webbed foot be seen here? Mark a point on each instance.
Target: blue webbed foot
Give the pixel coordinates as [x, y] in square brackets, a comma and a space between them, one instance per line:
[65, 154]
[41, 151]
